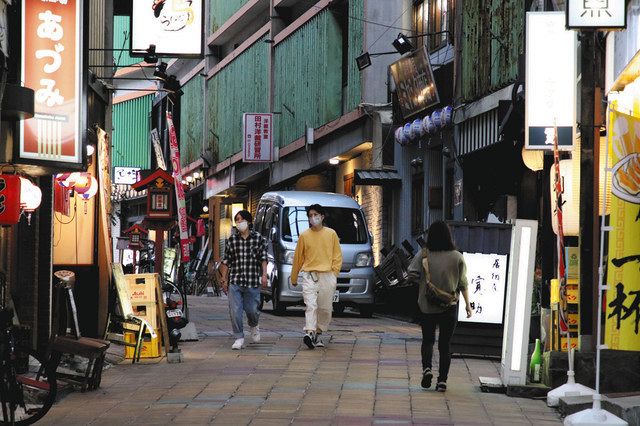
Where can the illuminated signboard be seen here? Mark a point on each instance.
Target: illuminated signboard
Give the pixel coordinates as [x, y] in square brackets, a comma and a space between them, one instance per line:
[173, 26]
[52, 66]
[487, 276]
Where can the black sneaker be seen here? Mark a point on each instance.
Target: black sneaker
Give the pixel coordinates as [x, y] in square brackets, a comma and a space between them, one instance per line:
[441, 386]
[427, 376]
[308, 339]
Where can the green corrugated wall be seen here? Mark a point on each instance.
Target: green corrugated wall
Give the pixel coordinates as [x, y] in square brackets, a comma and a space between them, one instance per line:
[221, 10]
[492, 40]
[131, 146]
[242, 86]
[356, 47]
[191, 117]
[308, 77]
[121, 40]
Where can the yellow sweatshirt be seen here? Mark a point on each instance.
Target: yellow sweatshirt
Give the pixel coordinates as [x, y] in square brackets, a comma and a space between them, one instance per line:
[317, 251]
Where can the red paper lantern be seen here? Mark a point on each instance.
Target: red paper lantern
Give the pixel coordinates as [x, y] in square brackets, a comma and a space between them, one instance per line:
[10, 186]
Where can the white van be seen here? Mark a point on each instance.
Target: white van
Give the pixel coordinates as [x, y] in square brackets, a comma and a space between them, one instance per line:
[281, 217]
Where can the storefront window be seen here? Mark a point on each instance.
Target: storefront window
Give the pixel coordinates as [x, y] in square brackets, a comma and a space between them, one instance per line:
[348, 224]
[433, 17]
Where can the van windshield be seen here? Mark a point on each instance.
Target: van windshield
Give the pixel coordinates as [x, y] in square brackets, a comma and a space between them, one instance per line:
[348, 224]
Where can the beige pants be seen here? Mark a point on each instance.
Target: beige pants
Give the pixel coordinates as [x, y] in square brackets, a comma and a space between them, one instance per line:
[317, 290]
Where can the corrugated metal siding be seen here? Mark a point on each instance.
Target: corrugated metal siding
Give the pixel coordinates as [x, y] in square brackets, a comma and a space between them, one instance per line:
[121, 34]
[308, 77]
[492, 40]
[131, 147]
[191, 117]
[97, 36]
[221, 10]
[475, 237]
[242, 86]
[478, 132]
[356, 46]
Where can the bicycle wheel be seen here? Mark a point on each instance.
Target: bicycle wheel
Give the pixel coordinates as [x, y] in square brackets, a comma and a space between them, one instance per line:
[29, 388]
[172, 293]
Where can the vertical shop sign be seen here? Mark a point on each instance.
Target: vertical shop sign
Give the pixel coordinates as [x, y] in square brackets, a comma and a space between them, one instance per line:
[623, 277]
[258, 140]
[177, 180]
[51, 65]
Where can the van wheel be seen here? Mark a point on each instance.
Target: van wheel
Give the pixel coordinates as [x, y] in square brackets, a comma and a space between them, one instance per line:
[279, 308]
[261, 303]
[366, 311]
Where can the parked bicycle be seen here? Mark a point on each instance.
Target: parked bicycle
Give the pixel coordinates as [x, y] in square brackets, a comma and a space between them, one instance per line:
[27, 383]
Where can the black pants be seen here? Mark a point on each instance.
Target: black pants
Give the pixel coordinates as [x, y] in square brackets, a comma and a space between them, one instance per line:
[446, 322]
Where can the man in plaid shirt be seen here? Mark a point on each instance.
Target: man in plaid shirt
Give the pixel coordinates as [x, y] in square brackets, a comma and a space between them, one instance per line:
[244, 267]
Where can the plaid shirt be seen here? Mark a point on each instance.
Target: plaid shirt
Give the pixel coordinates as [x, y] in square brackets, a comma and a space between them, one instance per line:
[244, 259]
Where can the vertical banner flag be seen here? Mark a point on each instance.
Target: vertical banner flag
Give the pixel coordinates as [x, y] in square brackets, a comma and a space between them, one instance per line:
[258, 140]
[51, 65]
[623, 272]
[155, 140]
[177, 180]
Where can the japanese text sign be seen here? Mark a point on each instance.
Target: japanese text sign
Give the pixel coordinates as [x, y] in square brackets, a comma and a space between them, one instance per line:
[258, 137]
[51, 65]
[9, 199]
[415, 84]
[177, 180]
[622, 326]
[596, 13]
[551, 89]
[487, 275]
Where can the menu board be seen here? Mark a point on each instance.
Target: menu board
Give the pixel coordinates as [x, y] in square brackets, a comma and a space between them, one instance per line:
[487, 276]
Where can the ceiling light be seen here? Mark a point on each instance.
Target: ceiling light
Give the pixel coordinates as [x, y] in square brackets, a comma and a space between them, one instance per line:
[189, 179]
[334, 161]
[402, 44]
[90, 150]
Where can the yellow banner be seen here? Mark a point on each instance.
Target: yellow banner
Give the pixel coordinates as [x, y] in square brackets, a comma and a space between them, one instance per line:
[623, 277]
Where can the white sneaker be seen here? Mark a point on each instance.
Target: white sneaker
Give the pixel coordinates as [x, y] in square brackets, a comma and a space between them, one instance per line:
[255, 334]
[238, 344]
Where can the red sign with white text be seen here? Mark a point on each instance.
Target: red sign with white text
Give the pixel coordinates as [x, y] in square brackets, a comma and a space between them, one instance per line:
[177, 180]
[51, 65]
[258, 139]
[9, 199]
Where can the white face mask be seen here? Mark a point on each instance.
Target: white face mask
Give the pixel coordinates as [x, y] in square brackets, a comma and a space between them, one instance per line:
[242, 226]
[315, 220]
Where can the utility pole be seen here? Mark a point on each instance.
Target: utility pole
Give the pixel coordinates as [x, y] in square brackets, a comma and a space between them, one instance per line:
[590, 65]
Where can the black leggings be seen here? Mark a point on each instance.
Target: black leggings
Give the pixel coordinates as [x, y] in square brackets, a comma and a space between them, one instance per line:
[446, 322]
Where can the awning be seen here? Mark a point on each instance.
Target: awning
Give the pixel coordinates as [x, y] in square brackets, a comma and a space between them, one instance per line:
[376, 177]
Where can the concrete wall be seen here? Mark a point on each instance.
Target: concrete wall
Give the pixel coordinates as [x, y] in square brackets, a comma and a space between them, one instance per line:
[377, 38]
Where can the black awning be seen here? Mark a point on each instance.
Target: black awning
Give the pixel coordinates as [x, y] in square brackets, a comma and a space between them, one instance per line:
[376, 177]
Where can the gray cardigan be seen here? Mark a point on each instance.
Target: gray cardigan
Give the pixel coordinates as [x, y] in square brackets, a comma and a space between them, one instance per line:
[448, 272]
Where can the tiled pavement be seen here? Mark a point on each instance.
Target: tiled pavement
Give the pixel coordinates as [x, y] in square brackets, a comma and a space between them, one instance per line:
[369, 374]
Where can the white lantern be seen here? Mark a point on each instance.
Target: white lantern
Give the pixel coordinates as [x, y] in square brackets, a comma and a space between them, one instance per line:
[533, 159]
[30, 197]
[570, 182]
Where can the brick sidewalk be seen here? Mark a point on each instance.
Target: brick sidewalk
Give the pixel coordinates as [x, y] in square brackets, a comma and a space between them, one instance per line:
[369, 373]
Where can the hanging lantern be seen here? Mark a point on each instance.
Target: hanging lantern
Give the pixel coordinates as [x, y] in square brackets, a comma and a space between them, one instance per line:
[416, 129]
[67, 179]
[30, 197]
[447, 116]
[533, 159]
[406, 130]
[82, 182]
[427, 125]
[400, 138]
[90, 192]
[570, 181]
[10, 192]
[436, 117]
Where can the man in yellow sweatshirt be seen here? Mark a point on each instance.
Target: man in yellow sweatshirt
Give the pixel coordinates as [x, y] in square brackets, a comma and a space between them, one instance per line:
[316, 265]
